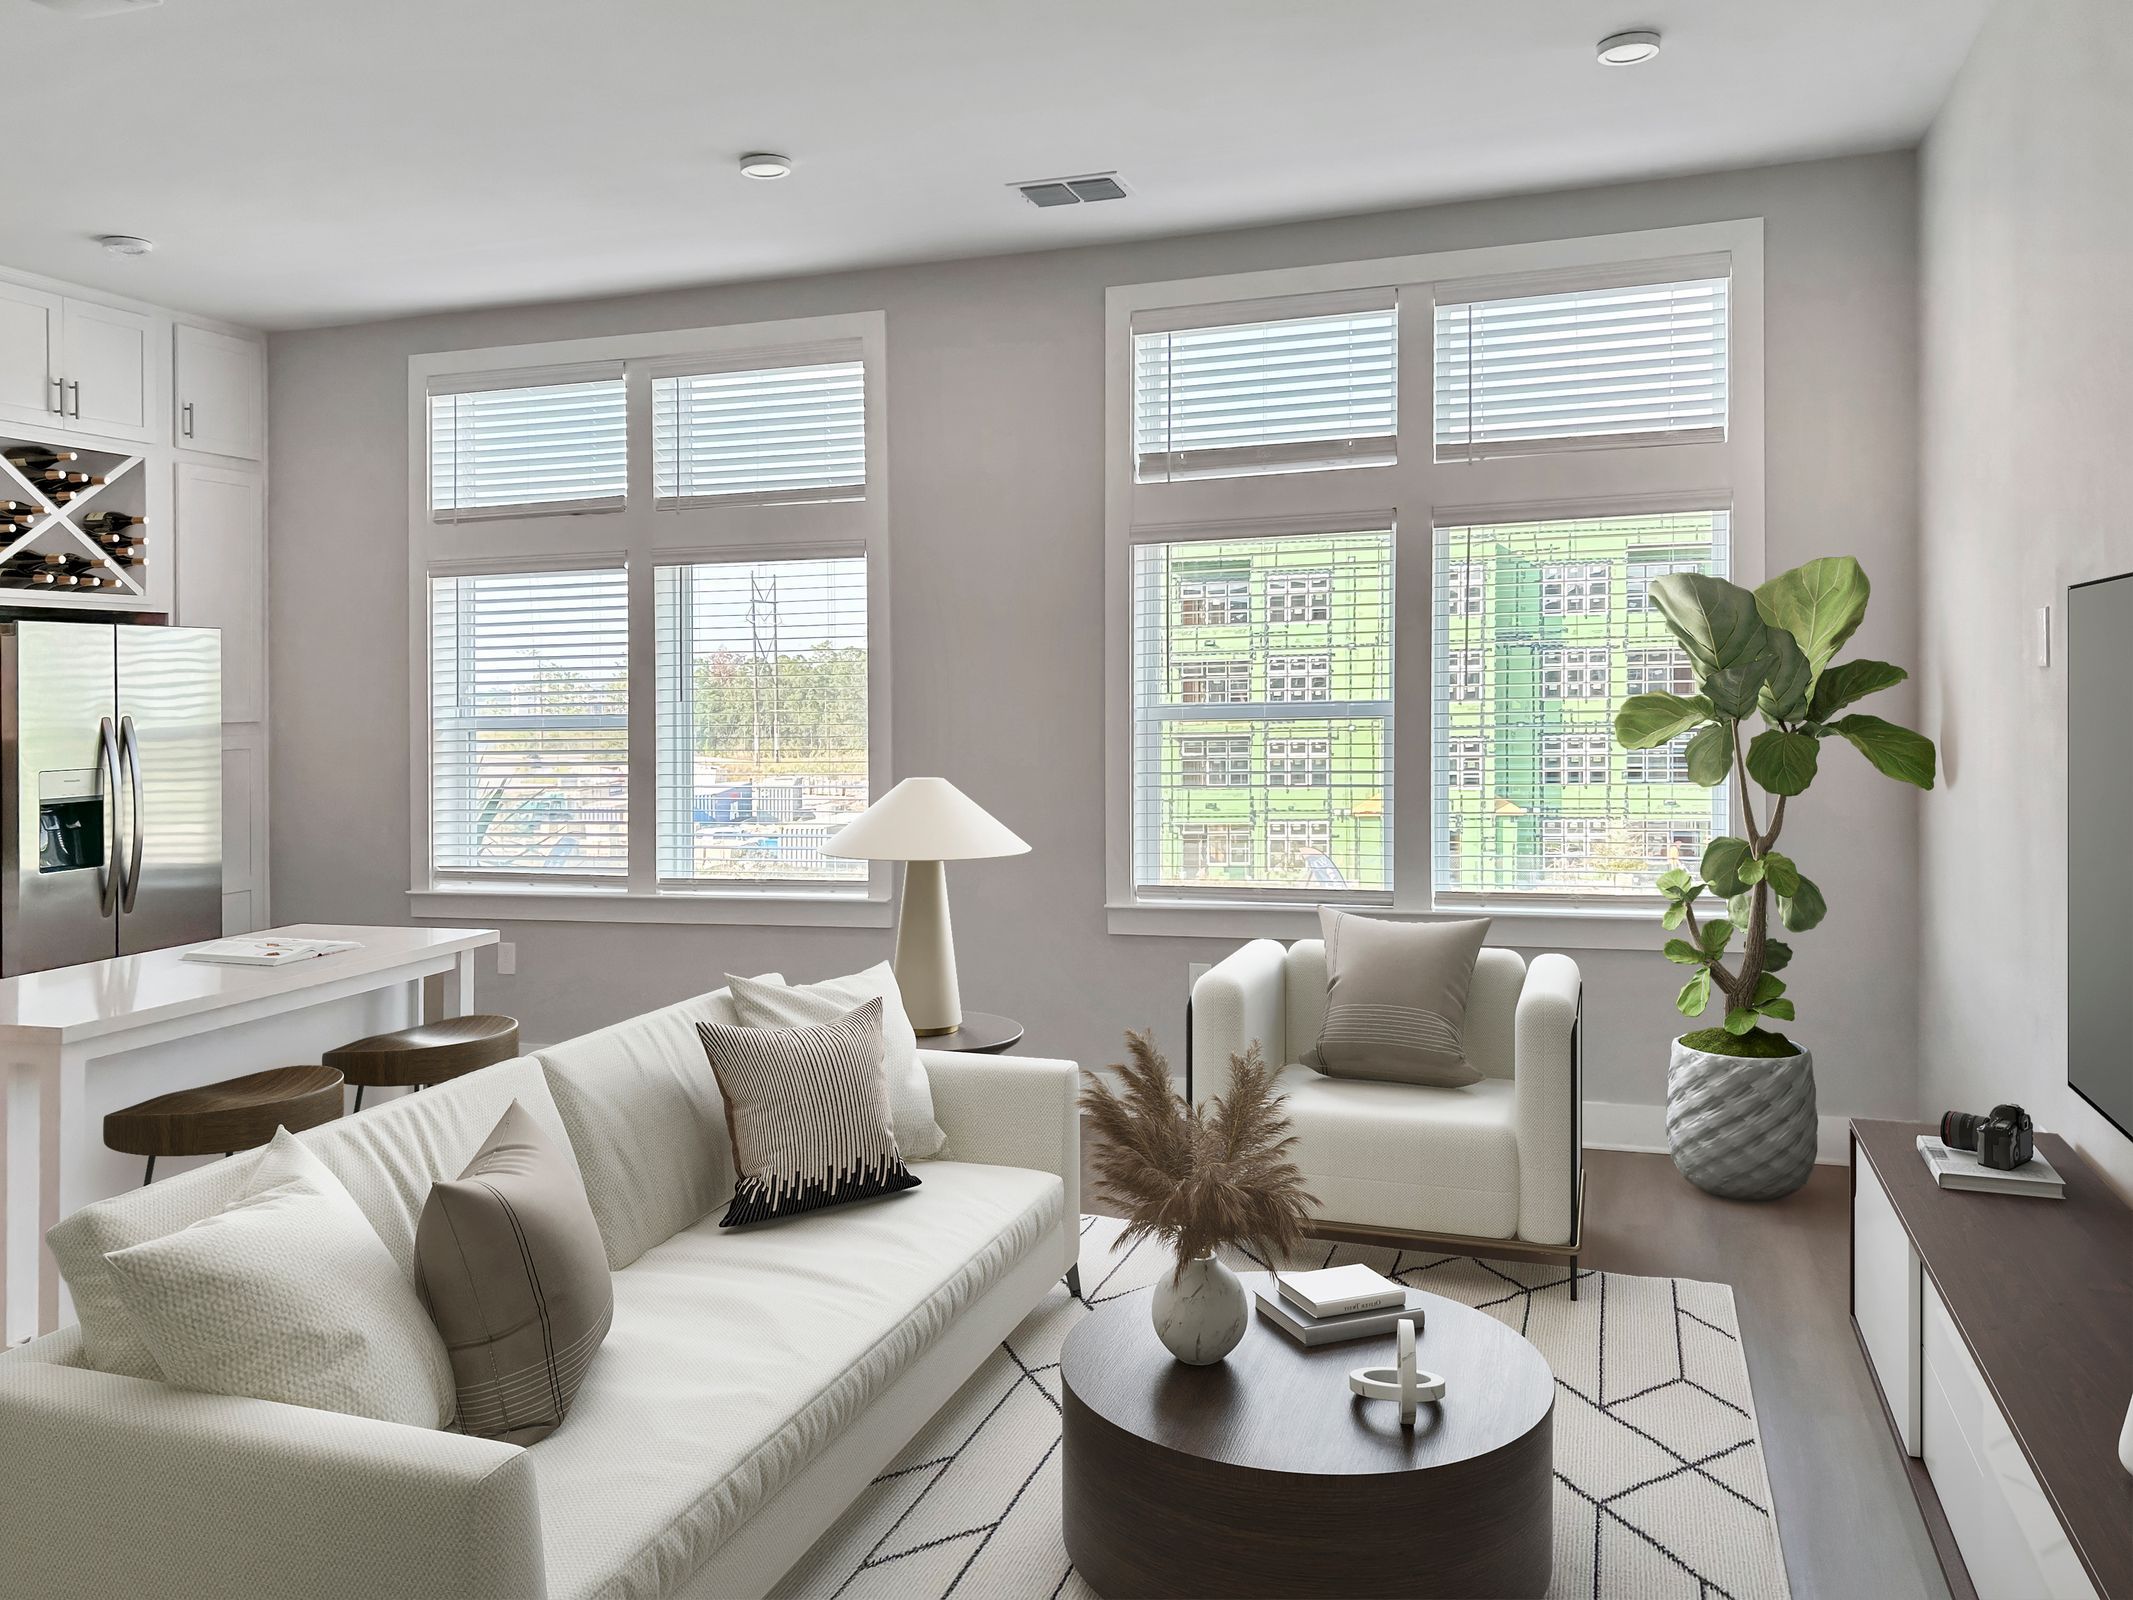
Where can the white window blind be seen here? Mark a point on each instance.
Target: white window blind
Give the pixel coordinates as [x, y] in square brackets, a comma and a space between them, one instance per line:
[1277, 394]
[1292, 706]
[762, 720]
[1533, 800]
[529, 725]
[1629, 364]
[555, 444]
[760, 434]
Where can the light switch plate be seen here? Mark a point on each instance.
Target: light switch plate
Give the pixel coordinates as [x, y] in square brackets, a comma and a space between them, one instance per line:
[2043, 649]
[506, 960]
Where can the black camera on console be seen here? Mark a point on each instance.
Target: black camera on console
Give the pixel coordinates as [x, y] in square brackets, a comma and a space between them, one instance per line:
[2003, 1137]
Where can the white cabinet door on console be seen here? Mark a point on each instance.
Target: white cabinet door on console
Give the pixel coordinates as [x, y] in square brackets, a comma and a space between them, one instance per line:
[29, 351]
[221, 384]
[1885, 1280]
[222, 576]
[107, 361]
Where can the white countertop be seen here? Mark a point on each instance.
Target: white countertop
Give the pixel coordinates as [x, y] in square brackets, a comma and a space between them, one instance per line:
[103, 997]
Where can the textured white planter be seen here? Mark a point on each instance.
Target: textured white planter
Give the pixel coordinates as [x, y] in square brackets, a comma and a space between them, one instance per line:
[1201, 1316]
[1739, 1127]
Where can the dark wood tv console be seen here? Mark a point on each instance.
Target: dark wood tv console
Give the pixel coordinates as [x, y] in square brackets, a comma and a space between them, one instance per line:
[2000, 1331]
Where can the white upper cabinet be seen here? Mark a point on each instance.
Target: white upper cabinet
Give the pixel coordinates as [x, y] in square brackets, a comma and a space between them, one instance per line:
[106, 363]
[222, 576]
[221, 387]
[29, 355]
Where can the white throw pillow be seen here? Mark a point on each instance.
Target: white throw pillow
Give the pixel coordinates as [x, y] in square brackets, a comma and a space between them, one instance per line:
[772, 1003]
[288, 1294]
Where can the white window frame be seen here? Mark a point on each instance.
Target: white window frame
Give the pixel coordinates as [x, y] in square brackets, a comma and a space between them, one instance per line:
[641, 535]
[1414, 495]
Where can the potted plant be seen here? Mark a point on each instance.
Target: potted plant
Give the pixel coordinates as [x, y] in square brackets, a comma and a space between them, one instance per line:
[1740, 1100]
[1198, 1179]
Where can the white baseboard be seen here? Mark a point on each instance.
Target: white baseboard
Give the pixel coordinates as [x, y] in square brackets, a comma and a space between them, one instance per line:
[1624, 1125]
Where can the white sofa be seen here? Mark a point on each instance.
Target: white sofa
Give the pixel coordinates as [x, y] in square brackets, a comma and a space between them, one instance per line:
[753, 1382]
[1498, 1159]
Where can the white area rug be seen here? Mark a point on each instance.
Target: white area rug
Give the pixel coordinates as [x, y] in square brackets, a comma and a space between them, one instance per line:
[1660, 1488]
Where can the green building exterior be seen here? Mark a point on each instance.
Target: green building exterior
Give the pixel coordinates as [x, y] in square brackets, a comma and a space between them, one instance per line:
[1263, 705]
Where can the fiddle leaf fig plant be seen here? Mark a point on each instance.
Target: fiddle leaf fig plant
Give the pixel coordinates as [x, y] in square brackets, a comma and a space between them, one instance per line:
[1765, 655]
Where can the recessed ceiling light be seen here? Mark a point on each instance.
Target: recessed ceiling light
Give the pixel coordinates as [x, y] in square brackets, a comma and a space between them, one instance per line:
[1628, 49]
[126, 244]
[765, 166]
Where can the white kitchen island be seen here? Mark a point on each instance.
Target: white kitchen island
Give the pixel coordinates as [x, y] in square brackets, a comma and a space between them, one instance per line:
[78, 1042]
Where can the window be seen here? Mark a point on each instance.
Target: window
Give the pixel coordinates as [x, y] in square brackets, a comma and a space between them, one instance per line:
[1265, 395]
[1299, 763]
[1573, 674]
[1635, 363]
[1214, 683]
[1667, 764]
[1575, 757]
[1299, 597]
[1292, 845]
[710, 647]
[1574, 589]
[1463, 765]
[1204, 849]
[762, 718]
[1215, 763]
[529, 726]
[1294, 678]
[535, 447]
[1215, 600]
[1325, 720]
[764, 435]
[1528, 435]
[1661, 672]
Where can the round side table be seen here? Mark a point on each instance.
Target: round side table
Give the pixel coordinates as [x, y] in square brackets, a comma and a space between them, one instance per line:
[983, 1033]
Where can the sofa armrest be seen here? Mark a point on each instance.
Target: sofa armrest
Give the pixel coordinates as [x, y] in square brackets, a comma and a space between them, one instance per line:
[1547, 1098]
[1240, 1001]
[123, 1486]
[1013, 1111]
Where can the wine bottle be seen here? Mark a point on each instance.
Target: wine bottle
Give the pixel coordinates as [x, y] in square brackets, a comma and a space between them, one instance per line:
[36, 457]
[111, 522]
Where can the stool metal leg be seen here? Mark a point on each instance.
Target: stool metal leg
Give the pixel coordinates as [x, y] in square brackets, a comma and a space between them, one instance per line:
[359, 1097]
[149, 1176]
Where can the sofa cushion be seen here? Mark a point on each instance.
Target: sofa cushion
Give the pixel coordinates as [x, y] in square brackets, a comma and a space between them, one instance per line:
[1491, 1005]
[386, 1158]
[1396, 998]
[286, 1294]
[515, 1277]
[1403, 1155]
[739, 1356]
[647, 1123]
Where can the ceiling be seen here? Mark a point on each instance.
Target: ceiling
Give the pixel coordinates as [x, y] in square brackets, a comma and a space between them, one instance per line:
[305, 161]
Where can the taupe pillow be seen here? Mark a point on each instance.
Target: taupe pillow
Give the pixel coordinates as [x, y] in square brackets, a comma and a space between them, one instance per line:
[1396, 998]
[515, 1277]
[808, 1113]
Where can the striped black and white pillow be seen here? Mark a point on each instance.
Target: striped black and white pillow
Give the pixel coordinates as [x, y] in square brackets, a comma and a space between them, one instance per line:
[807, 1110]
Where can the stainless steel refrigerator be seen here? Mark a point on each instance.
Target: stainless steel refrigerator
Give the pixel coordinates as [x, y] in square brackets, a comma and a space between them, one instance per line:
[110, 790]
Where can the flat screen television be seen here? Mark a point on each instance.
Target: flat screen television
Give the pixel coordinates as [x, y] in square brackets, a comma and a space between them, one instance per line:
[2099, 846]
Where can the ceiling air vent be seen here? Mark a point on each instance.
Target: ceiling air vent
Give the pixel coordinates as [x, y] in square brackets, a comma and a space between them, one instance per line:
[1088, 189]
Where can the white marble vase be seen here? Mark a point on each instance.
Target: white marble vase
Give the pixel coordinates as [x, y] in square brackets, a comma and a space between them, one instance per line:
[1201, 1314]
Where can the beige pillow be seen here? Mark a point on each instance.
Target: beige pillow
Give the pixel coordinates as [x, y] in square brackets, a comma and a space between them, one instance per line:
[1396, 998]
[511, 1266]
[772, 1003]
[288, 1294]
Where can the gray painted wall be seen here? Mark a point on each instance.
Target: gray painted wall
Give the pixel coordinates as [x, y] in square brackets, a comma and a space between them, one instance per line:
[2027, 388]
[995, 396]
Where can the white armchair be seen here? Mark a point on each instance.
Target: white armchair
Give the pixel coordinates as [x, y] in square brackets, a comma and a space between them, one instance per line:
[1497, 1160]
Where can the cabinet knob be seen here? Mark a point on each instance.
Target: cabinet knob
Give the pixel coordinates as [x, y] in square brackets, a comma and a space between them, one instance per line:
[187, 413]
[74, 386]
[59, 396]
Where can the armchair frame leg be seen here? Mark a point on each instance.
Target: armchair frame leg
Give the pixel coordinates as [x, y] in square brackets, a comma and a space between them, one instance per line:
[1463, 1244]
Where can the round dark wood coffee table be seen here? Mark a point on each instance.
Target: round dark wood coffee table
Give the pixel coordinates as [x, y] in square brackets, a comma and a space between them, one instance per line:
[1262, 1475]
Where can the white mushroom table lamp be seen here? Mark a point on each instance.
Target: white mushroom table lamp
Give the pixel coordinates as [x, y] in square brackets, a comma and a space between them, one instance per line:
[924, 822]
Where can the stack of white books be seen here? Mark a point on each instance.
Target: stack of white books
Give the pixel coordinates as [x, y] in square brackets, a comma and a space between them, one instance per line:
[1337, 1303]
[1961, 1169]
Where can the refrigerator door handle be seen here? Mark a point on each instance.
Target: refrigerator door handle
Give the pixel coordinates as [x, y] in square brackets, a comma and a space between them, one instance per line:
[130, 744]
[110, 882]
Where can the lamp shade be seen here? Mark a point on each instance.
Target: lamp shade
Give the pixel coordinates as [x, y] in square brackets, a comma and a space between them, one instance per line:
[924, 819]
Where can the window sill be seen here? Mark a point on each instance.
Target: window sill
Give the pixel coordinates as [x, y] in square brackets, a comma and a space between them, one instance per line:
[673, 906]
[1515, 927]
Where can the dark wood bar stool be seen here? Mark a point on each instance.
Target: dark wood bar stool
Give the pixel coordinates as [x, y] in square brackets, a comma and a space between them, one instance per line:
[429, 1052]
[219, 1119]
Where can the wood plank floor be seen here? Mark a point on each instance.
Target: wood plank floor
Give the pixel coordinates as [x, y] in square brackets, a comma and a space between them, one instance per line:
[1846, 1515]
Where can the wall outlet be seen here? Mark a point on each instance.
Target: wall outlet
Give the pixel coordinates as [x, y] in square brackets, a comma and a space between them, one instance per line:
[506, 960]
